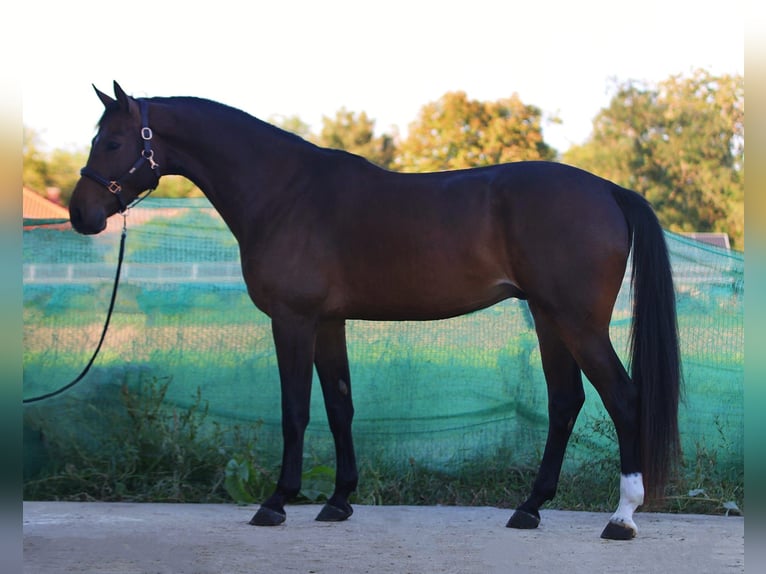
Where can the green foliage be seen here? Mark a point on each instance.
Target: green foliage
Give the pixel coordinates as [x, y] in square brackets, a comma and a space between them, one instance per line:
[131, 448]
[245, 481]
[64, 170]
[707, 487]
[455, 132]
[249, 483]
[356, 133]
[35, 170]
[293, 124]
[317, 483]
[702, 486]
[680, 144]
[58, 169]
[137, 448]
[173, 186]
[481, 483]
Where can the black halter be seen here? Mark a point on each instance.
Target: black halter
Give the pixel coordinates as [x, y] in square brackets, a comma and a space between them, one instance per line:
[114, 186]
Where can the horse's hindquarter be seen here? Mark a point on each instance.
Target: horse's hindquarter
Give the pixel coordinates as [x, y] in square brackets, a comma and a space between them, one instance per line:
[567, 237]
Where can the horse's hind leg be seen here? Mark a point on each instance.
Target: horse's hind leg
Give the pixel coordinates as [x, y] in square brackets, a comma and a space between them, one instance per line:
[331, 361]
[565, 398]
[620, 396]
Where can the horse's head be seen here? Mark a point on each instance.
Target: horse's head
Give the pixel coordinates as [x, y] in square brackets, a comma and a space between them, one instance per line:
[121, 164]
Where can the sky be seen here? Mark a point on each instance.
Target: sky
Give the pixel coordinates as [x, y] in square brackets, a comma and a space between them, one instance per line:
[387, 58]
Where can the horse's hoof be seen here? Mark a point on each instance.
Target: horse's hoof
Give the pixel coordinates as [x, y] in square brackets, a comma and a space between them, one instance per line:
[523, 520]
[331, 513]
[615, 531]
[267, 517]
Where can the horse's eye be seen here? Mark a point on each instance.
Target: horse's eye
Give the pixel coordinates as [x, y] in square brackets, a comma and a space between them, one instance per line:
[113, 146]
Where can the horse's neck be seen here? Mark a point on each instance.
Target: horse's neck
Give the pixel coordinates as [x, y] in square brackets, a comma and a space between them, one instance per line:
[237, 161]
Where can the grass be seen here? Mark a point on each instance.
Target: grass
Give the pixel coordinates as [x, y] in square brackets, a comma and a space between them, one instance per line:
[474, 485]
[130, 449]
[135, 448]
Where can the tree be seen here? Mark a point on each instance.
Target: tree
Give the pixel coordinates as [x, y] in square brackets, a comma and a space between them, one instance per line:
[455, 132]
[63, 168]
[292, 124]
[58, 169]
[356, 133]
[681, 145]
[34, 172]
[175, 186]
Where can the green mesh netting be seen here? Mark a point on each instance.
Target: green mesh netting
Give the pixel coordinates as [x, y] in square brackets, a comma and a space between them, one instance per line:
[441, 393]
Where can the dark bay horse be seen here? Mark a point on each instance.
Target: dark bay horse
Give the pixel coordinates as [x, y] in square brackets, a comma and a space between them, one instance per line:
[327, 236]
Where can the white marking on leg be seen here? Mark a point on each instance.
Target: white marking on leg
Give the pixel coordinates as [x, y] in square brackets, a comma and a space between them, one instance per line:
[631, 497]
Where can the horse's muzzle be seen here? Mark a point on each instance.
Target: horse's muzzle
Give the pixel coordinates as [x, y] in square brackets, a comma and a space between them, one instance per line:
[87, 224]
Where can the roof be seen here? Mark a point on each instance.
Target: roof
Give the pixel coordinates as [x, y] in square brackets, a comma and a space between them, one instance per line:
[39, 211]
[711, 238]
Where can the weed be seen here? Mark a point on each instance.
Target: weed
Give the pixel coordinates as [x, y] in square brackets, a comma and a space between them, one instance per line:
[134, 447]
[481, 483]
[247, 482]
[707, 486]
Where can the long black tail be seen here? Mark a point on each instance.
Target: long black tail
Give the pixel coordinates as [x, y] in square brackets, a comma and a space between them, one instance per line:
[655, 355]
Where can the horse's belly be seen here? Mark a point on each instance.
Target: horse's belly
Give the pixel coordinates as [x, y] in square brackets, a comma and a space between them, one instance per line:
[427, 301]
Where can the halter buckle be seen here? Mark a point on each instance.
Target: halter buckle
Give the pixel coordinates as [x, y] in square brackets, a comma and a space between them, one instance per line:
[146, 133]
[114, 187]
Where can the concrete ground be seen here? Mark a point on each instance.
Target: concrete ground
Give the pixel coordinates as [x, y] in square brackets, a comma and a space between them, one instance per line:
[128, 538]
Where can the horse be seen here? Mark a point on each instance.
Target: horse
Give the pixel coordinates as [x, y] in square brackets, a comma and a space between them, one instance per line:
[326, 236]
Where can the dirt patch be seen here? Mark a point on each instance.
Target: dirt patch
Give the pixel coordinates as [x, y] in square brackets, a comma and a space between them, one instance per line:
[128, 538]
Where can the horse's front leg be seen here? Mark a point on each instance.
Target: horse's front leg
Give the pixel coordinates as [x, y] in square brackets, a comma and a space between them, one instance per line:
[294, 338]
[332, 366]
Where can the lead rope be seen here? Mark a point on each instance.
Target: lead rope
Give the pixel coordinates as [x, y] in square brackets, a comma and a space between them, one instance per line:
[106, 323]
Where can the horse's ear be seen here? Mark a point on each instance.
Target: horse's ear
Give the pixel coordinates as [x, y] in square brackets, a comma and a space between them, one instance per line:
[127, 104]
[122, 97]
[106, 100]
